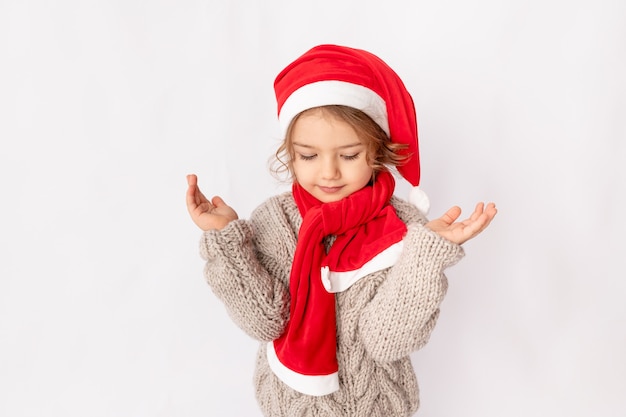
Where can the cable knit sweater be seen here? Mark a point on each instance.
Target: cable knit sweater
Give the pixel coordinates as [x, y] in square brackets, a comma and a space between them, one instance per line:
[381, 319]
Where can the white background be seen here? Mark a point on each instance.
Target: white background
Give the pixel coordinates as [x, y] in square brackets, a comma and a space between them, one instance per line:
[106, 105]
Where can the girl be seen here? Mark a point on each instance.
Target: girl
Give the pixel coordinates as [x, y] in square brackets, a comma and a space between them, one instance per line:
[338, 279]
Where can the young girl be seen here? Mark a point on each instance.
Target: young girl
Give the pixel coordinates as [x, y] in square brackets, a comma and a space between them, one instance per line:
[338, 279]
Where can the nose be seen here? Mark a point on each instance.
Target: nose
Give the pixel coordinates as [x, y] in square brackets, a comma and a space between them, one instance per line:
[330, 169]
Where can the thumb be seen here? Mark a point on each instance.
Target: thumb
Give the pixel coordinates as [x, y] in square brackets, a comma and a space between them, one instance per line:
[451, 215]
[217, 201]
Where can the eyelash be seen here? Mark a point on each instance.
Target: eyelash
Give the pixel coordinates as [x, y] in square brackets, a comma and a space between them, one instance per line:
[345, 157]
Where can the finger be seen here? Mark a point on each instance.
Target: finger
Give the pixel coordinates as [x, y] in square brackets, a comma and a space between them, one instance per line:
[491, 209]
[195, 197]
[490, 213]
[197, 202]
[191, 197]
[474, 228]
[199, 195]
[485, 219]
[478, 210]
[192, 187]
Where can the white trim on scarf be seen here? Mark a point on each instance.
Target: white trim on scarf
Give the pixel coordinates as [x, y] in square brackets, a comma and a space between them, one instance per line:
[316, 385]
[341, 281]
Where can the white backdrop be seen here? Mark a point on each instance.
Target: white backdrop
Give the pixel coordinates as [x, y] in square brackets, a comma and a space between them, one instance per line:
[106, 105]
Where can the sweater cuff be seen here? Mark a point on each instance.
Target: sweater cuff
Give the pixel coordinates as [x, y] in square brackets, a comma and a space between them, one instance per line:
[432, 246]
[229, 240]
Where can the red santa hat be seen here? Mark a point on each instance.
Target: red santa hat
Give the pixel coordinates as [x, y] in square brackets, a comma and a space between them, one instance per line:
[338, 75]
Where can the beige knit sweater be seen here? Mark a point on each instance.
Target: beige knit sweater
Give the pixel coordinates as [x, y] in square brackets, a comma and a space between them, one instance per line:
[380, 320]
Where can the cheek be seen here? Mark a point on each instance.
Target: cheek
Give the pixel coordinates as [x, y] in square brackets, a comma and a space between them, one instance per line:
[299, 170]
[366, 172]
[361, 178]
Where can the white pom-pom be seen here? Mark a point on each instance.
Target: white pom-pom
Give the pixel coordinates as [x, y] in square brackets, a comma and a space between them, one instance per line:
[419, 199]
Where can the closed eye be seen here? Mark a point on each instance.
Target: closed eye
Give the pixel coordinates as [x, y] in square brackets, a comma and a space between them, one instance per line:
[306, 157]
[351, 157]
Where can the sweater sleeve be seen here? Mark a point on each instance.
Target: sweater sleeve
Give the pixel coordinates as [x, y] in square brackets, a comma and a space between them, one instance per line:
[401, 316]
[256, 301]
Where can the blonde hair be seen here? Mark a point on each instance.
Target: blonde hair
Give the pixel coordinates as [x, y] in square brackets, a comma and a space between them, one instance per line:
[381, 152]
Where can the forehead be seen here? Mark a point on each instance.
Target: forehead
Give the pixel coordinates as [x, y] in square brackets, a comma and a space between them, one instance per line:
[324, 130]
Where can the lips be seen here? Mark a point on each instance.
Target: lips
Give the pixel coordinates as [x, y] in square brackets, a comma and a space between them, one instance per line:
[330, 190]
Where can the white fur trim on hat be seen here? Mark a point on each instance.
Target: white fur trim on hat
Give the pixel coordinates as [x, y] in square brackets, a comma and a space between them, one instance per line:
[419, 199]
[323, 93]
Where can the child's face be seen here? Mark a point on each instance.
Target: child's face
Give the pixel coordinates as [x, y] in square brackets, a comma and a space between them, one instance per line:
[330, 161]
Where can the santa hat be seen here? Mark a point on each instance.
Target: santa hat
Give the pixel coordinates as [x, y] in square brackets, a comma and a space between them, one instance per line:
[338, 75]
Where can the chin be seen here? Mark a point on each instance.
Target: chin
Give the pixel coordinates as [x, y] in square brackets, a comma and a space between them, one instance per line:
[330, 199]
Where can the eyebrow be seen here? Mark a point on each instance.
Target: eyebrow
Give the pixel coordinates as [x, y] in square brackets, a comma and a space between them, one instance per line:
[352, 145]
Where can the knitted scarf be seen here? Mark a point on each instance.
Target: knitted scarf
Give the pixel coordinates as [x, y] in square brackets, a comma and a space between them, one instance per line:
[365, 224]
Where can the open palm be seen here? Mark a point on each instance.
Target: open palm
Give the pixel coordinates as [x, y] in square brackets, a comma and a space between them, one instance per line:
[207, 214]
[462, 231]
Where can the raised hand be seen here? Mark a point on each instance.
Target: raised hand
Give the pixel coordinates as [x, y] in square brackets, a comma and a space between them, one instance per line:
[207, 214]
[461, 232]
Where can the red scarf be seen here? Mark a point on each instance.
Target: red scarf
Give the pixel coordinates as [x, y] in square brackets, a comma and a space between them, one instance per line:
[365, 224]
